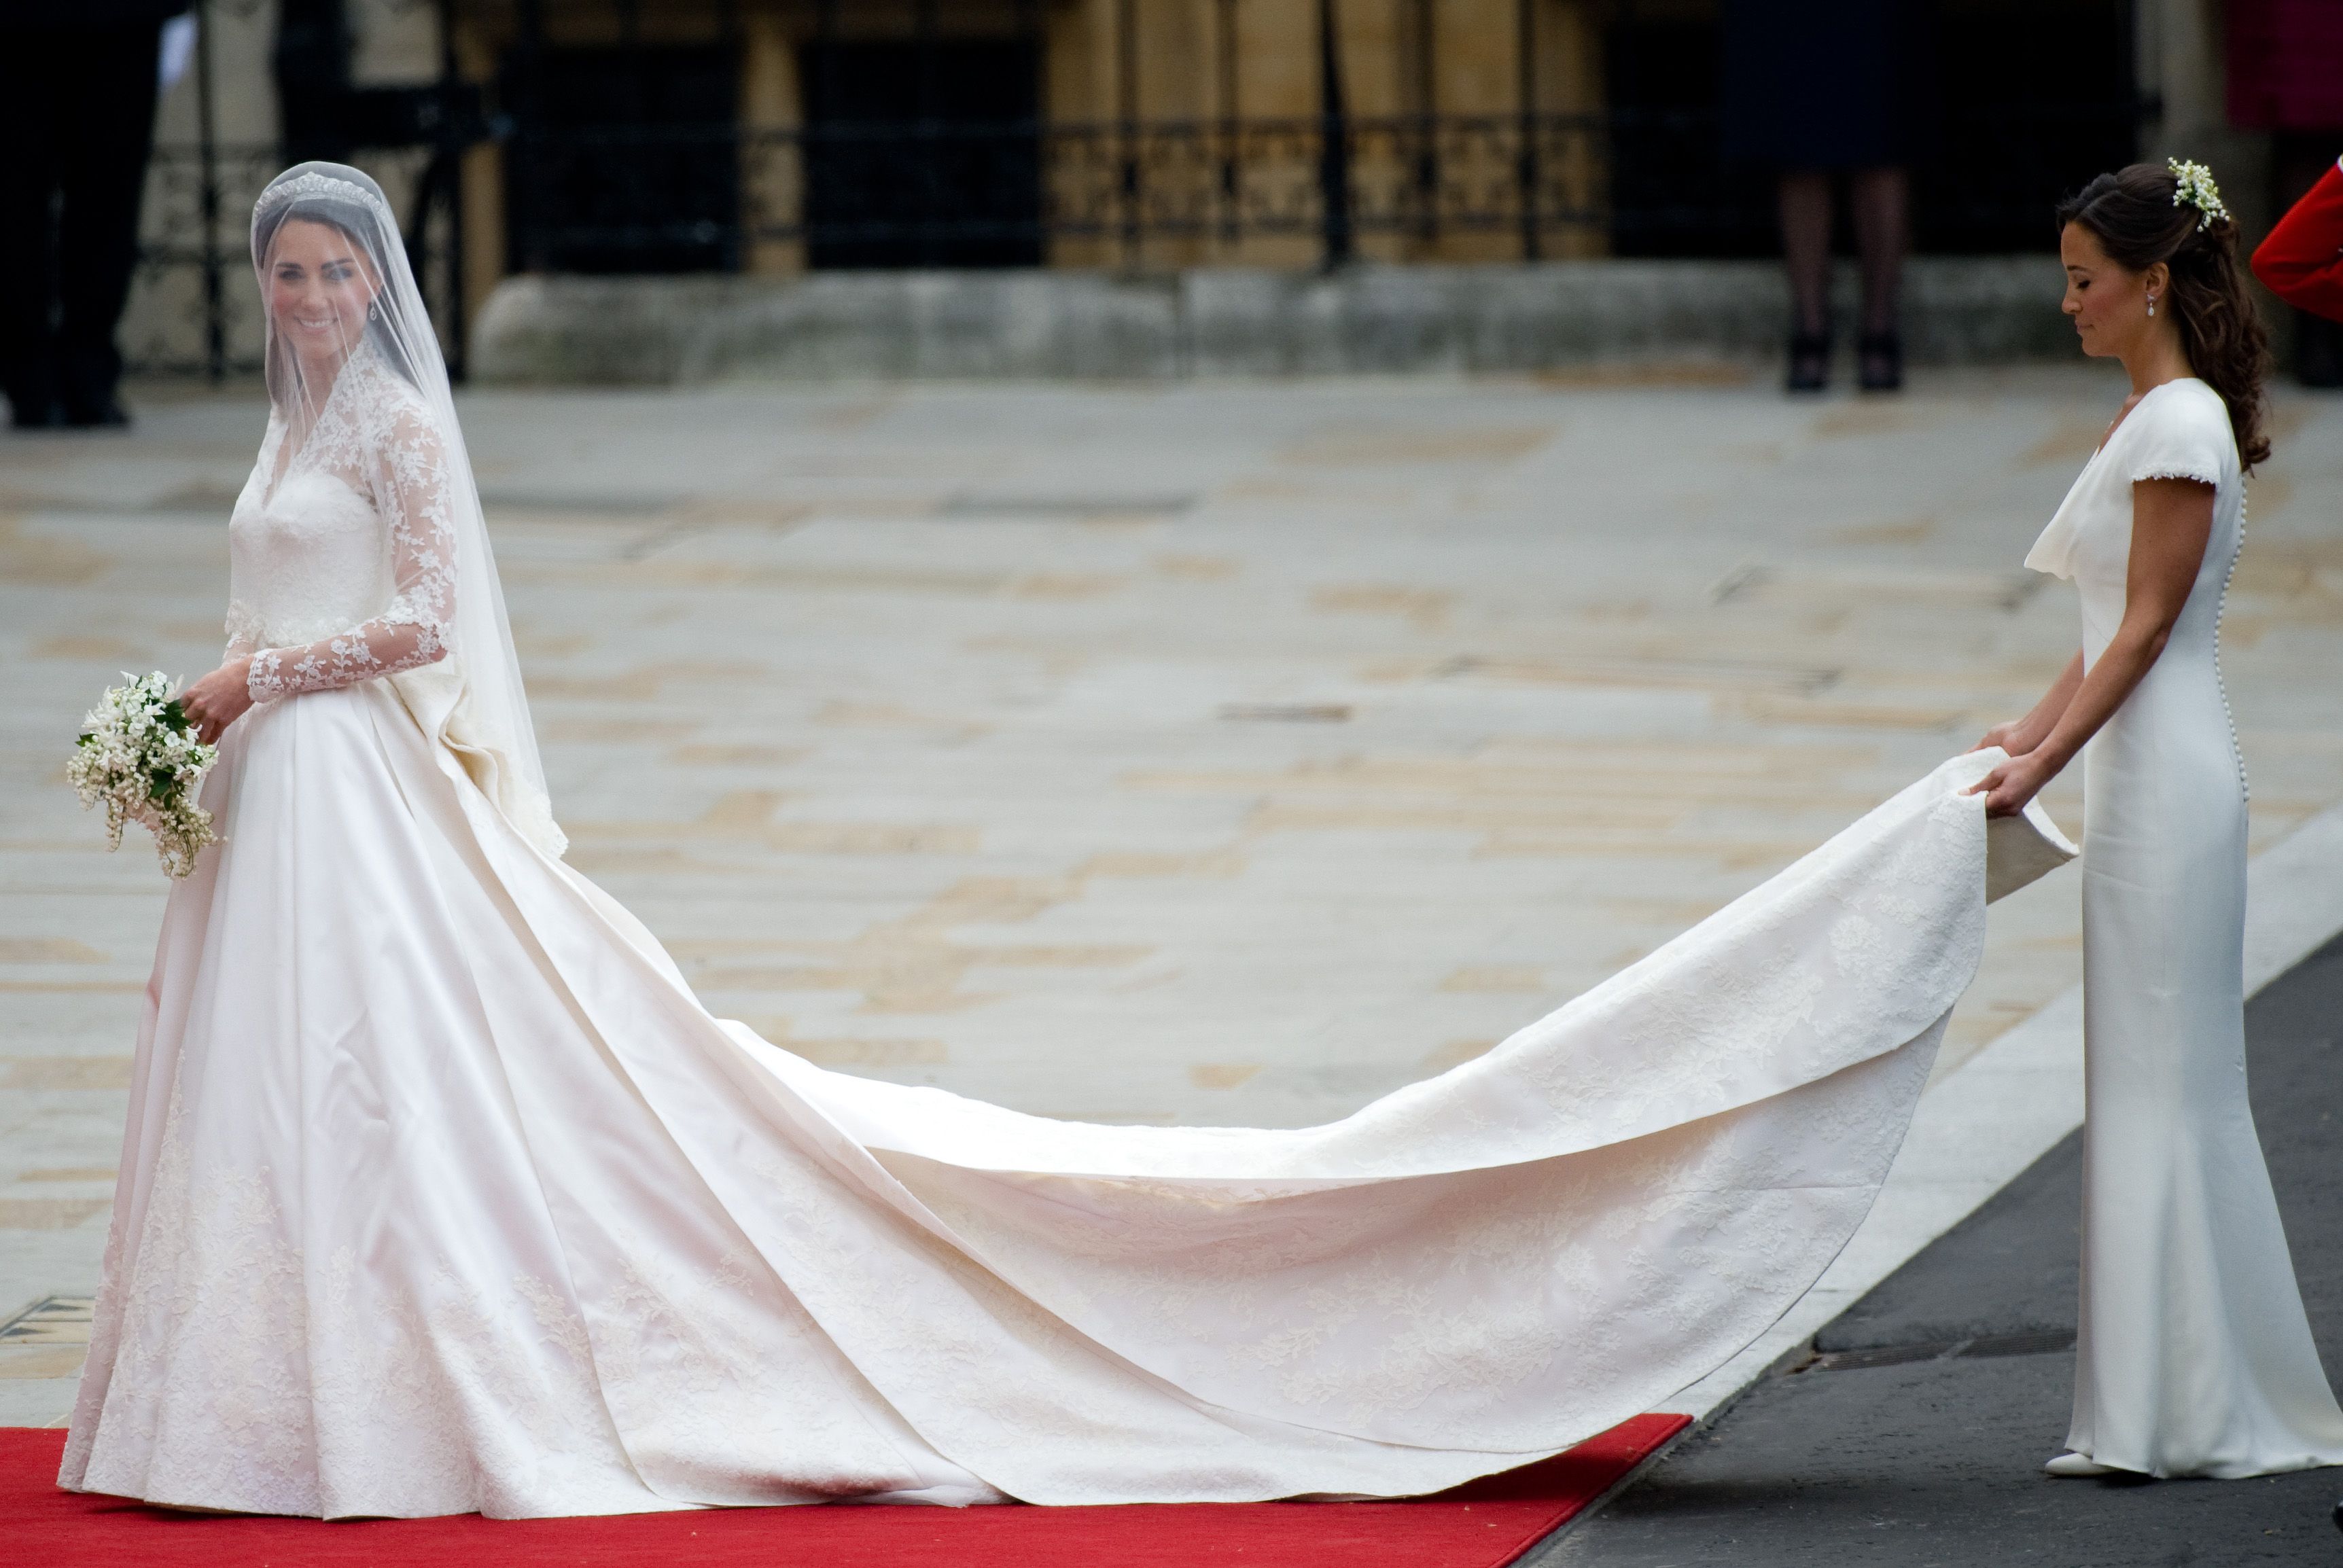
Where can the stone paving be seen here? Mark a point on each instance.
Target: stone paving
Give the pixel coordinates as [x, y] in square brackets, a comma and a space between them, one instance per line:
[1207, 753]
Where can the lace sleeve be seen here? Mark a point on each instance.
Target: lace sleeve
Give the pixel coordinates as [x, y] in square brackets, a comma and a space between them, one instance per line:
[242, 630]
[410, 487]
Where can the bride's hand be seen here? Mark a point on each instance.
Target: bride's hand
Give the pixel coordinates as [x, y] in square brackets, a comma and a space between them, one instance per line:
[2009, 786]
[218, 699]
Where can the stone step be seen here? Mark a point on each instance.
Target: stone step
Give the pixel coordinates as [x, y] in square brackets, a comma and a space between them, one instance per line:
[1225, 321]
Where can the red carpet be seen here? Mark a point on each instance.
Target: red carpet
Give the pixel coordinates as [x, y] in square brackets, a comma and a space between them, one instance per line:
[1484, 1525]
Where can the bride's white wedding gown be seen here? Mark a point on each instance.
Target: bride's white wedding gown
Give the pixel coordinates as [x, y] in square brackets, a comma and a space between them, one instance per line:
[441, 1191]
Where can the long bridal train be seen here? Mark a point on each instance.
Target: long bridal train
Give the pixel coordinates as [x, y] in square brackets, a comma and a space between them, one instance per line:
[471, 1205]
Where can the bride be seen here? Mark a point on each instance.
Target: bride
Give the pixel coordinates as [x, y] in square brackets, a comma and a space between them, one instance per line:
[440, 1191]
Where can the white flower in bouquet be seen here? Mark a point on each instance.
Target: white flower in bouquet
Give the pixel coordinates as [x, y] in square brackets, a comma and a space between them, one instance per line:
[140, 758]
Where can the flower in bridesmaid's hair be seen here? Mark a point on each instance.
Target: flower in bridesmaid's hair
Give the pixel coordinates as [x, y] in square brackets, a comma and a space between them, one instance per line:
[140, 758]
[2193, 186]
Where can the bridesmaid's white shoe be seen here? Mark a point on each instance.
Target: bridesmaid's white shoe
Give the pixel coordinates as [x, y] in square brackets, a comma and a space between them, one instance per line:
[2074, 1464]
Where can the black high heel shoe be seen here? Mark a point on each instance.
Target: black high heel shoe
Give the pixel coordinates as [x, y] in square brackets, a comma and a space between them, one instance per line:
[1880, 362]
[1810, 357]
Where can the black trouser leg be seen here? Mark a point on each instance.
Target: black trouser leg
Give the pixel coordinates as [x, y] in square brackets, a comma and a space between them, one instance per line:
[102, 175]
[29, 287]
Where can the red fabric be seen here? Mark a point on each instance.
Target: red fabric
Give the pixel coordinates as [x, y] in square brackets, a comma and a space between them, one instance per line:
[1484, 1525]
[2286, 65]
[2302, 259]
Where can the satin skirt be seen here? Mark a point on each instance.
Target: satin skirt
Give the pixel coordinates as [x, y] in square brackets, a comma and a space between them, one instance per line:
[2194, 1356]
[441, 1192]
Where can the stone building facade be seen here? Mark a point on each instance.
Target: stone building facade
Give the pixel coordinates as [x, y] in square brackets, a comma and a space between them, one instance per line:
[1141, 137]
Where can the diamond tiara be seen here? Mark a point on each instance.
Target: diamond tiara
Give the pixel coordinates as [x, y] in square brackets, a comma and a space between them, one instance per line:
[314, 184]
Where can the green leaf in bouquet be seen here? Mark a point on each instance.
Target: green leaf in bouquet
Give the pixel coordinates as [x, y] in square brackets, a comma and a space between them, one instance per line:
[175, 716]
[159, 784]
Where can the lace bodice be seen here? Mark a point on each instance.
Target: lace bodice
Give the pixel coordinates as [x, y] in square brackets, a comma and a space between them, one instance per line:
[342, 556]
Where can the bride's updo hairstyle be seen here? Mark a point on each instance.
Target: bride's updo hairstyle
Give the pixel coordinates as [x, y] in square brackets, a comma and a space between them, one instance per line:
[341, 205]
[2133, 216]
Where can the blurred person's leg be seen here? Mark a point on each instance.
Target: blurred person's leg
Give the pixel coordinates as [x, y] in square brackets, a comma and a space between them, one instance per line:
[101, 173]
[28, 370]
[1881, 203]
[1805, 212]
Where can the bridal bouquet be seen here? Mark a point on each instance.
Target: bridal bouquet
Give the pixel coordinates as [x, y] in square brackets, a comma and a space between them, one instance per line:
[141, 758]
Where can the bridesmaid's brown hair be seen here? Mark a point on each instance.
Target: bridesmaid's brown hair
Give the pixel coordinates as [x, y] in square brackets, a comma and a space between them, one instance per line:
[2134, 217]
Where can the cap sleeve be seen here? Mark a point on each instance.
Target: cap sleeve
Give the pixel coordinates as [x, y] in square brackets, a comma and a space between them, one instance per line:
[2185, 435]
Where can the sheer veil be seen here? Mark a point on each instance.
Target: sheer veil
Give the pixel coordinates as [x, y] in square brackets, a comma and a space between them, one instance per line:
[472, 700]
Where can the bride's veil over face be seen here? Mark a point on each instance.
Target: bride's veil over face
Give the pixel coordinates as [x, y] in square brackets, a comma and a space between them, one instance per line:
[336, 293]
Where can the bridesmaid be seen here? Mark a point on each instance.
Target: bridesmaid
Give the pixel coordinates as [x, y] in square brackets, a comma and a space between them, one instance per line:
[2194, 1356]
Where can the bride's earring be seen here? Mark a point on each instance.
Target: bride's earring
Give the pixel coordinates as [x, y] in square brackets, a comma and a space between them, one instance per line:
[374, 308]
[2151, 306]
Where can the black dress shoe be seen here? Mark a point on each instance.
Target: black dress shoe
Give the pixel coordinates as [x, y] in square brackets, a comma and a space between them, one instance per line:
[35, 416]
[1879, 359]
[1810, 357]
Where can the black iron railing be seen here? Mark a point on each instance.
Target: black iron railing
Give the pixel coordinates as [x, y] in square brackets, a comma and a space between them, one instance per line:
[934, 191]
[1195, 191]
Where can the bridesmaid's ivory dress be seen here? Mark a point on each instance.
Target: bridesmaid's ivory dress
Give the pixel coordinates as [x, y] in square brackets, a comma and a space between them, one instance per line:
[2194, 1356]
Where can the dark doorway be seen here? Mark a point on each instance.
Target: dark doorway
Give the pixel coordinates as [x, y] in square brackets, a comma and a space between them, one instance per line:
[2024, 128]
[627, 160]
[1672, 192]
[922, 154]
